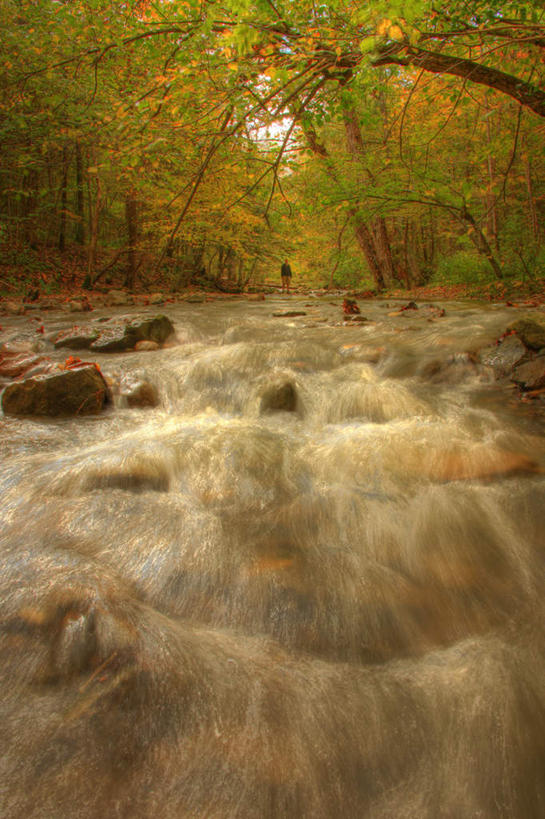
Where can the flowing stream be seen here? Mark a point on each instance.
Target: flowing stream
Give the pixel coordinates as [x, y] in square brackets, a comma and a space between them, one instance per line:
[221, 608]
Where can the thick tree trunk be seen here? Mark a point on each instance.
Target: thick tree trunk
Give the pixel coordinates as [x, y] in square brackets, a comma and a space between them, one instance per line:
[379, 254]
[366, 242]
[383, 250]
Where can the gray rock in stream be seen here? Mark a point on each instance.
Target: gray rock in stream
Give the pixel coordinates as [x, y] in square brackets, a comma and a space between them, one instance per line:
[531, 374]
[502, 357]
[117, 337]
[79, 391]
[78, 338]
[125, 337]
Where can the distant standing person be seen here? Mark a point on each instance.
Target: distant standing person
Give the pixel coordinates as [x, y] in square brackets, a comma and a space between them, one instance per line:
[286, 276]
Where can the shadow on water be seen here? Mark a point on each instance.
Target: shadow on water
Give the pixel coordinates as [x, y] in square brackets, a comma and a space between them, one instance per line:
[309, 584]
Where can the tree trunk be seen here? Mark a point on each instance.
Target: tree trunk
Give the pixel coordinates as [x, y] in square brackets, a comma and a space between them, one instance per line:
[64, 185]
[381, 263]
[479, 240]
[532, 211]
[383, 250]
[94, 213]
[367, 245]
[80, 224]
[131, 217]
[491, 210]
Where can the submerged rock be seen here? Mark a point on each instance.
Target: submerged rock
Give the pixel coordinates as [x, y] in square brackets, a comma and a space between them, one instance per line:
[138, 393]
[289, 314]
[78, 391]
[280, 396]
[146, 346]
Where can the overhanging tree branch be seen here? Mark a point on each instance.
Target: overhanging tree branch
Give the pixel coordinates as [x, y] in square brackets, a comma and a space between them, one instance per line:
[523, 92]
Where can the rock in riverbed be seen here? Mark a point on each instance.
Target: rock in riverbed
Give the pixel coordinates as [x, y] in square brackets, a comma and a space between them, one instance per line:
[119, 337]
[78, 391]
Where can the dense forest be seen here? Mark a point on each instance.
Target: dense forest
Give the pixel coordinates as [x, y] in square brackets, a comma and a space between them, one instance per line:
[377, 145]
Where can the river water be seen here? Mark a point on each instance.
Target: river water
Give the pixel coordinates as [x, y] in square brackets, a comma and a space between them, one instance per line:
[218, 608]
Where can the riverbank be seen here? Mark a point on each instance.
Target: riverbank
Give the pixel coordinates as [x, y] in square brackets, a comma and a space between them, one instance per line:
[76, 299]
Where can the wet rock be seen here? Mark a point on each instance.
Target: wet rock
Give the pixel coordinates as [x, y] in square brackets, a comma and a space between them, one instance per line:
[503, 356]
[256, 297]
[126, 337]
[78, 391]
[77, 338]
[15, 365]
[290, 314]
[531, 333]
[112, 340]
[157, 298]
[143, 346]
[14, 308]
[530, 375]
[280, 396]
[138, 393]
[453, 370]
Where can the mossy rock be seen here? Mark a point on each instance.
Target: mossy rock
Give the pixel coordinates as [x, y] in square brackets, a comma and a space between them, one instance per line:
[530, 332]
[81, 391]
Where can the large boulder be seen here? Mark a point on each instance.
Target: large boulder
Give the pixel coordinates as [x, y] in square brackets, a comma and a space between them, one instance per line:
[78, 391]
[531, 333]
[125, 337]
[531, 374]
[77, 338]
[503, 356]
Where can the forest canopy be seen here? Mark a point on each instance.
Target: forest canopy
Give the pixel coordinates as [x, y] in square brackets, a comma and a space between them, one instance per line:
[377, 144]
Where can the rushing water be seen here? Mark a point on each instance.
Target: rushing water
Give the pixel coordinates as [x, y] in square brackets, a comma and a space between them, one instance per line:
[212, 609]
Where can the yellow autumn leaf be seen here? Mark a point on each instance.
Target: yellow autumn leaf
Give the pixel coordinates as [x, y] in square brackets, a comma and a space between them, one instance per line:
[232, 66]
[395, 33]
[383, 26]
